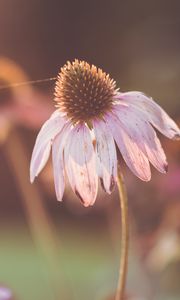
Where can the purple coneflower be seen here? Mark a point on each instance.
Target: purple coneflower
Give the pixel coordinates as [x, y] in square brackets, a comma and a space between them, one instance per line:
[90, 108]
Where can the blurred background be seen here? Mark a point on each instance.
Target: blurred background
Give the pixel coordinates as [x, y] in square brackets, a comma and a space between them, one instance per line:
[51, 250]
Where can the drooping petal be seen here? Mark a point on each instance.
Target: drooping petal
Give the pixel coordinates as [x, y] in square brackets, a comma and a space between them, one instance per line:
[43, 143]
[129, 148]
[58, 161]
[153, 113]
[106, 154]
[80, 164]
[144, 135]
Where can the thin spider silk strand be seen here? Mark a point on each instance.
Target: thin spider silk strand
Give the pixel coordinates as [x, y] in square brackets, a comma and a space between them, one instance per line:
[19, 84]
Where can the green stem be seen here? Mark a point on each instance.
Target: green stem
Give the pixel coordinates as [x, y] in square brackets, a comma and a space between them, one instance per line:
[124, 238]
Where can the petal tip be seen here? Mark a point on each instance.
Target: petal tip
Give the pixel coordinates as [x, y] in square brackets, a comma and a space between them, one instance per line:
[146, 178]
[59, 199]
[87, 203]
[84, 202]
[176, 137]
[102, 183]
[32, 178]
[109, 189]
[165, 168]
[113, 182]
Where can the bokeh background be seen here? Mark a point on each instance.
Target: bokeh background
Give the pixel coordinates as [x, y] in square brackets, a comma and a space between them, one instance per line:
[51, 250]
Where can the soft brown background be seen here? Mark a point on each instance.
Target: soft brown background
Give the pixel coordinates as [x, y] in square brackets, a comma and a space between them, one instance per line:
[138, 43]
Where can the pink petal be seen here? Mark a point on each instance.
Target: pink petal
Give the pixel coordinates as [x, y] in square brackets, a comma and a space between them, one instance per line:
[43, 143]
[106, 154]
[153, 113]
[129, 148]
[58, 161]
[143, 133]
[80, 164]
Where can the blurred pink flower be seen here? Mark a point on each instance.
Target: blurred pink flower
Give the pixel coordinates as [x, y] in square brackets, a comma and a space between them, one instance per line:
[20, 104]
[5, 293]
[91, 117]
[31, 112]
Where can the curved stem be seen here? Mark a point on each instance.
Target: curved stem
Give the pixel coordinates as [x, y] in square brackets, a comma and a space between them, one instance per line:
[40, 224]
[124, 237]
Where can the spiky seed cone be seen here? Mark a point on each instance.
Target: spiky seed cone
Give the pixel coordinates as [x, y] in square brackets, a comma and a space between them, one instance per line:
[84, 92]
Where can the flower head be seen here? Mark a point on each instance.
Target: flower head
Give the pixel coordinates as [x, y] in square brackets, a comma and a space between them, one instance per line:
[92, 117]
[84, 92]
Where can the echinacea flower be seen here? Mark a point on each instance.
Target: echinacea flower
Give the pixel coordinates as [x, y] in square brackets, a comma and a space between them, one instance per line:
[92, 117]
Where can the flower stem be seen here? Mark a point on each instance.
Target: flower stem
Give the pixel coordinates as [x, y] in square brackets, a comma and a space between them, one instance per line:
[40, 224]
[124, 237]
